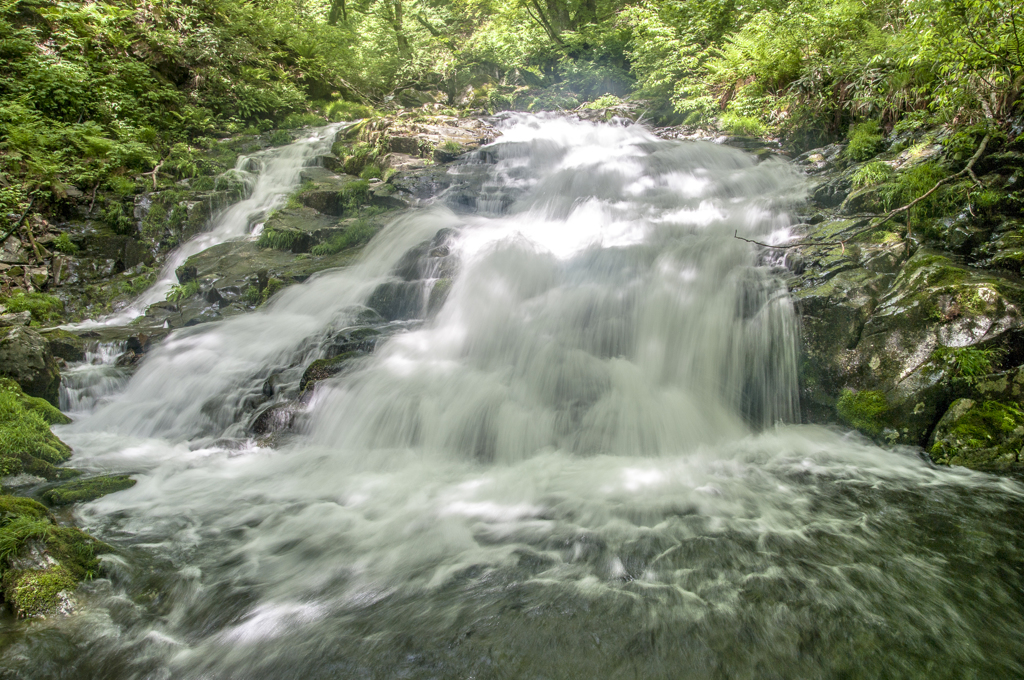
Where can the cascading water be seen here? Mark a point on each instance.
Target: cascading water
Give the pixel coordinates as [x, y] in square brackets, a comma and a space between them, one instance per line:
[272, 175]
[579, 465]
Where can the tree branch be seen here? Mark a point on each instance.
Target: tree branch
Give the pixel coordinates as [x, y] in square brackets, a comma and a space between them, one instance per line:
[17, 225]
[968, 169]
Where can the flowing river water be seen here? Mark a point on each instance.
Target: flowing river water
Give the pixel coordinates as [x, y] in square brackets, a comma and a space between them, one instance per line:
[586, 463]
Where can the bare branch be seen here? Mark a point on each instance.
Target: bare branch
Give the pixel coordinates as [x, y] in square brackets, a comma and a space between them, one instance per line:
[17, 225]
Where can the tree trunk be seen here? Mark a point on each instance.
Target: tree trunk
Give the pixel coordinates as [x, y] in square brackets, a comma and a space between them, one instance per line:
[337, 8]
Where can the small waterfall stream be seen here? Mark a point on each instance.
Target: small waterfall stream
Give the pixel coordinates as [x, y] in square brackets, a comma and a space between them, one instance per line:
[272, 175]
[585, 461]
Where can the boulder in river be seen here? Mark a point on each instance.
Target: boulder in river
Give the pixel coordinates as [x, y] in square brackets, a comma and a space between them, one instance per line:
[26, 358]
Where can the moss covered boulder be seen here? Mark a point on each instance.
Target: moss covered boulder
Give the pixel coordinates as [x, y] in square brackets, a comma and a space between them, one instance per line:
[41, 562]
[979, 434]
[82, 490]
[25, 357]
[26, 442]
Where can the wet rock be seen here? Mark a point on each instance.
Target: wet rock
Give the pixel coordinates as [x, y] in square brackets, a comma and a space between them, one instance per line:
[15, 319]
[332, 163]
[25, 357]
[44, 562]
[83, 490]
[438, 295]
[67, 346]
[979, 434]
[186, 273]
[321, 369]
[275, 418]
[398, 300]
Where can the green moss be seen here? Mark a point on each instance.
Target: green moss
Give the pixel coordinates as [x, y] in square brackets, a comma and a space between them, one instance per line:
[35, 592]
[354, 236]
[44, 308]
[32, 592]
[982, 435]
[25, 432]
[863, 410]
[322, 369]
[438, 294]
[273, 285]
[87, 489]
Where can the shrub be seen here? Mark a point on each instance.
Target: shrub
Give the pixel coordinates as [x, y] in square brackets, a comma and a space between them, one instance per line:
[875, 172]
[183, 291]
[736, 124]
[371, 171]
[64, 244]
[865, 140]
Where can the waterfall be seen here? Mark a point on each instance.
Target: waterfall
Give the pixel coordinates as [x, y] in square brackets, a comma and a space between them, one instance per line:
[271, 175]
[583, 459]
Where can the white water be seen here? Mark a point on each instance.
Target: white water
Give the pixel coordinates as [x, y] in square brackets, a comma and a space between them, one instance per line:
[273, 174]
[579, 467]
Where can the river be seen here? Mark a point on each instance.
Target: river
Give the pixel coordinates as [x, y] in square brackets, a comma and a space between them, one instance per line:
[586, 463]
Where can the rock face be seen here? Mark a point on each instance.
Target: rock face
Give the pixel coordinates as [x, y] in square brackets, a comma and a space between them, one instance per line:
[913, 338]
[25, 357]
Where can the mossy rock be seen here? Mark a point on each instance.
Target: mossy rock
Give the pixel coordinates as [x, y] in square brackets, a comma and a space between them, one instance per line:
[42, 563]
[865, 410]
[35, 593]
[65, 345]
[25, 357]
[984, 435]
[321, 369]
[25, 434]
[82, 490]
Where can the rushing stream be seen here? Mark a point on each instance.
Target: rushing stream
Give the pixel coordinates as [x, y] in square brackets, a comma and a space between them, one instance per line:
[269, 177]
[584, 464]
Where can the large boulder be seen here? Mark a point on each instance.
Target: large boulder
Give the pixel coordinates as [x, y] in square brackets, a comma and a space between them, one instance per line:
[26, 358]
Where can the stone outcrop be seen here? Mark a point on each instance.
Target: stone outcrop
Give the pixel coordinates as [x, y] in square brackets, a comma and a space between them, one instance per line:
[26, 358]
[907, 337]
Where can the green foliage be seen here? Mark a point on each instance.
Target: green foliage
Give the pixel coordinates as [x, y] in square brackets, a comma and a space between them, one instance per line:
[279, 239]
[913, 183]
[736, 124]
[120, 218]
[358, 234]
[279, 138]
[451, 146]
[371, 171]
[863, 410]
[25, 432]
[341, 110]
[64, 244]
[969, 363]
[44, 308]
[183, 291]
[865, 140]
[875, 172]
